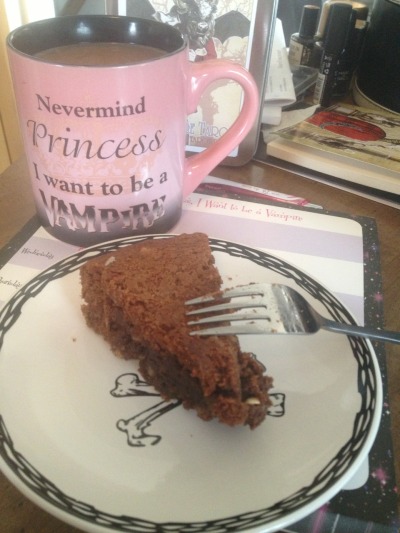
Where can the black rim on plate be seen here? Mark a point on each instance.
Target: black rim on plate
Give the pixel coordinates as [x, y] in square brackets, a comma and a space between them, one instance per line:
[326, 478]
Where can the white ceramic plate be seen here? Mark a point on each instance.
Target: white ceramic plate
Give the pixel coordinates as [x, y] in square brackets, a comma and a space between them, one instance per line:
[83, 437]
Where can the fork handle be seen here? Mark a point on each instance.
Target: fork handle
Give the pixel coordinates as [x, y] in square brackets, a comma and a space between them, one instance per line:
[360, 331]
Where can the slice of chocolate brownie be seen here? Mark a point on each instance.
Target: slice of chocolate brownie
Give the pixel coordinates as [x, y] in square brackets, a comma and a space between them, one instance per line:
[135, 297]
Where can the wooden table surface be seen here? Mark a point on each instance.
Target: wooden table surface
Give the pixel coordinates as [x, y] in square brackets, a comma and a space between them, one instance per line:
[19, 515]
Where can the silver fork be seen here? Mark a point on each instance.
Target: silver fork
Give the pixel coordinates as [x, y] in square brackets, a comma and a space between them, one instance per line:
[269, 308]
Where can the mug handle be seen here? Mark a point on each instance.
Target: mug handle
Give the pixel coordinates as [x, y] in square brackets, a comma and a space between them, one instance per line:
[201, 75]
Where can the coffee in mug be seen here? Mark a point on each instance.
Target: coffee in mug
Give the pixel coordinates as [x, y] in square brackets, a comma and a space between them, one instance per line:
[96, 54]
[103, 103]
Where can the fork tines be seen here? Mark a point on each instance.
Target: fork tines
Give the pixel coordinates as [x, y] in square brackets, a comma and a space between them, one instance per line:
[230, 311]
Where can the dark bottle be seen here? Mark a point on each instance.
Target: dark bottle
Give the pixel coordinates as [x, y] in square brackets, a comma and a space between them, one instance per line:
[355, 45]
[339, 22]
[350, 55]
[344, 68]
[360, 30]
[301, 44]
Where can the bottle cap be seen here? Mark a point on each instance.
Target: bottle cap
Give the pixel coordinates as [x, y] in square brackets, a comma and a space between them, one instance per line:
[308, 23]
[362, 14]
[337, 27]
[361, 9]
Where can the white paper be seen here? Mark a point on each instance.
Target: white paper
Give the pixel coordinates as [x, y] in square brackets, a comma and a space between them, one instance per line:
[280, 89]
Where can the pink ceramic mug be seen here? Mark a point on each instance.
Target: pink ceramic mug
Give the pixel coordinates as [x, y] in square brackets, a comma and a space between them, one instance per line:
[106, 143]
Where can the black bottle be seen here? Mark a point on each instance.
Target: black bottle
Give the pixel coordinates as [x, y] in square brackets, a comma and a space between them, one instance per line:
[302, 43]
[344, 68]
[350, 55]
[357, 37]
[339, 22]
